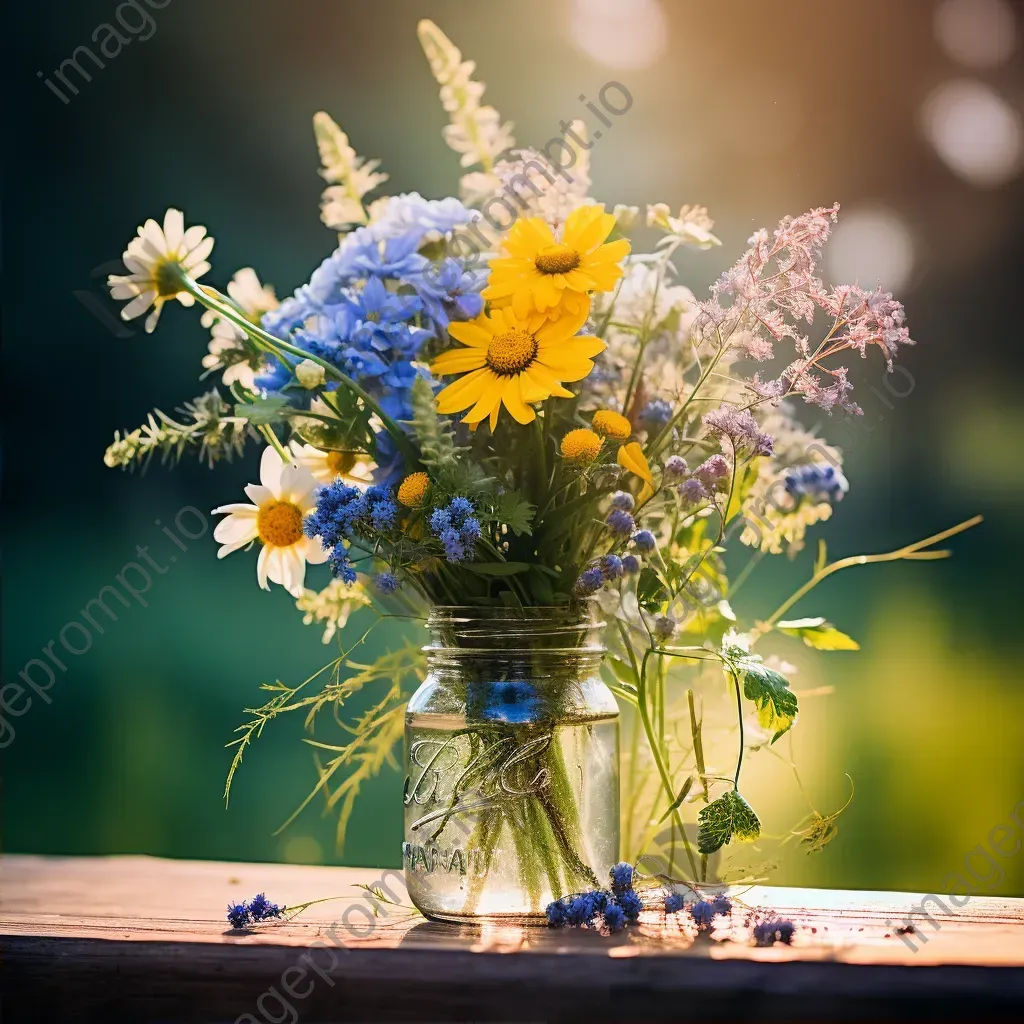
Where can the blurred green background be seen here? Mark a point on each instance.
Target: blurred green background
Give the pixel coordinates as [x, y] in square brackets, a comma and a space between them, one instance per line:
[909, 114]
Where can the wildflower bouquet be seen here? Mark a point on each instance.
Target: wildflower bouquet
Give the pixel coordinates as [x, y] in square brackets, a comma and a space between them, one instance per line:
[493, 404]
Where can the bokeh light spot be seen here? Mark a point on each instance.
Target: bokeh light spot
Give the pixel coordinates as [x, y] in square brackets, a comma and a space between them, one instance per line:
[620, 33]
[975, 131]
[976, 33]
[870, 246]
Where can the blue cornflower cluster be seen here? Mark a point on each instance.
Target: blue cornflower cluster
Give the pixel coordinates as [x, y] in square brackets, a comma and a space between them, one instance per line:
[703, 912]
[369, 308]
[767, 931]
[817, 482]
[386, 582]
[611, 909]
[259, 908]
[342, 512]
[656, 413]
[456, 528]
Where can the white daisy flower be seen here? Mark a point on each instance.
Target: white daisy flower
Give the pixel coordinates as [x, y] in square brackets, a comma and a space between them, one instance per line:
[154, 258]
[282, 499]
[228, 345]
[327, 467]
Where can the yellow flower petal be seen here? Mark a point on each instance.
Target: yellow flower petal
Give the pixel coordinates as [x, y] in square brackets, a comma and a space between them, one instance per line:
[512, 396]
[462, 393]
[470, 333]
[459, 360]
[631, 456]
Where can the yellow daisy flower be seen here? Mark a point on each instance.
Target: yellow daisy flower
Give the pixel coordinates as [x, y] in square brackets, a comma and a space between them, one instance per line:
[548, 276]
[508, 362]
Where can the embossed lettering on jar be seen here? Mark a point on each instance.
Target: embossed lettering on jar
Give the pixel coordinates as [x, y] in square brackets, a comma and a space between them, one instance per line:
[511, 752]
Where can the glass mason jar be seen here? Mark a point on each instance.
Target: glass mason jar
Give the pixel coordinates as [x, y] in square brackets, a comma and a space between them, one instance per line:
[512, 764]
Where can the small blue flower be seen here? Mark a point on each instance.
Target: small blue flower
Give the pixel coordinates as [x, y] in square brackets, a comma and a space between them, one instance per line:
[630, 903]
[262, 909]
[440, 520]
[384, 514]
[611, 567]
[674, 902]
[581, 910]
[623, 500]
[556, 912]
[460, 507]
[693, 491]
[622, 877]
[702, 913]
[454, 549]
[239, 915]
[644, 540]
[386, 582]
[784, 931]
[341, 567]
[589, 581]
[620, 521]
[470, 530]
[656, 413]
[631, 564]
[513, 701]
[818, 482]
[614, 918]
[722, 905]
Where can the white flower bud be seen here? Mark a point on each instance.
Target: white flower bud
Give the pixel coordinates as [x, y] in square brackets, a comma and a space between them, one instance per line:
[309, 374]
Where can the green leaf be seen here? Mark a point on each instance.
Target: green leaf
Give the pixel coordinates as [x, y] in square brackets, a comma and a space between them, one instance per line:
[651, 593]
[512, 509]
[262, 411]
[687, 786]
[742, 489]
[819, 634]
[775, 702]
[727, 818]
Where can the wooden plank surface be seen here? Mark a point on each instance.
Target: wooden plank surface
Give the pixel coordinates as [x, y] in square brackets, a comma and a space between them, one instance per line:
[144, 938]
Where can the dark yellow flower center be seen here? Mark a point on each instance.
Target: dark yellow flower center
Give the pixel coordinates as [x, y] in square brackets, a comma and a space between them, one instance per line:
[510, 353]
[279, 524]
[340, 463]
[167, 278]
[556, 259]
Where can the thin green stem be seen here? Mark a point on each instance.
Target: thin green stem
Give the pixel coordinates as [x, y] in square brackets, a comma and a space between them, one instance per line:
[739, 717]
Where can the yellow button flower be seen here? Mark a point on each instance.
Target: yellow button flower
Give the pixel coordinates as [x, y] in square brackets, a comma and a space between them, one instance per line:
[548, 275]
[581, 445]
[413, 489]
[611, 424]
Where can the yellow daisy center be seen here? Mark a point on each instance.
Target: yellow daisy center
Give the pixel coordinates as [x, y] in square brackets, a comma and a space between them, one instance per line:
[340, 463]
[557, 259]
[581, 445]
[167, 278]
[611, 424]
[510, 353]
[413, 489]
[279, 524]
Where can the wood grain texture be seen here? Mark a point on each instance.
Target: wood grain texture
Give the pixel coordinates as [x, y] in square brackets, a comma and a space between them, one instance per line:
[145, 939]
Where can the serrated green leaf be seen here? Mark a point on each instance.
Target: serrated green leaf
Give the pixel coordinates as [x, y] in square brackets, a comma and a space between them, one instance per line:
[262, 411]
[819, 634]
[769, 690]
[727, 818]
[512, 509]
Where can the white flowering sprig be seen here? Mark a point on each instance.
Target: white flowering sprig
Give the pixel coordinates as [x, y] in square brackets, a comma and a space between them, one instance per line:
[476, 130]
[349, 176]
[691, 227]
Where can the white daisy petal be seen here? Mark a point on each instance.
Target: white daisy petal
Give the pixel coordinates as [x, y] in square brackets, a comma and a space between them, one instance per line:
[236, 527]
[234, 546]
[293, 571]
[199, 253]
[137, 306]
[261, 568]
[174, 229]
[313, 551]
[193, 237]
[270, 470]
